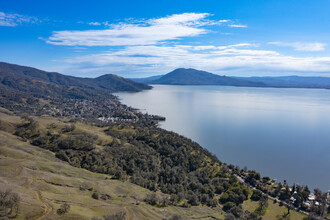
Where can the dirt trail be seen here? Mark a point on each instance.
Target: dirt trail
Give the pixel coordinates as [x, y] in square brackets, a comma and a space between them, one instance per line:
[46, 206]
[130, 215]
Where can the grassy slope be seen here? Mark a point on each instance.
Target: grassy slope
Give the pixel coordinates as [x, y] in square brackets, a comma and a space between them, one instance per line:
[274, 211]
[44, 183]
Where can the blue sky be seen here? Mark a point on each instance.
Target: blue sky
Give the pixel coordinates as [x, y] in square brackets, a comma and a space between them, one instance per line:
[144, 38]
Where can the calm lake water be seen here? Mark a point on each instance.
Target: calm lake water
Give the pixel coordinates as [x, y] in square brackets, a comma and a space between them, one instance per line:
[282, 133]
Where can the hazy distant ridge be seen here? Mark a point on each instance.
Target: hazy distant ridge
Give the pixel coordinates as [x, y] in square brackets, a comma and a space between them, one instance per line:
[183, 76]
[292, 81]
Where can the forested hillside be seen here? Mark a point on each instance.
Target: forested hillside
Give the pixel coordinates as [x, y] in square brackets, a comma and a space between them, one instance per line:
[42, 84]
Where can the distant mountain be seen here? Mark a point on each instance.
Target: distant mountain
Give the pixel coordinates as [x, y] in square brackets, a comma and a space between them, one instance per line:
[146, 79]
[291, 81]
[22, 79]
[183, 76]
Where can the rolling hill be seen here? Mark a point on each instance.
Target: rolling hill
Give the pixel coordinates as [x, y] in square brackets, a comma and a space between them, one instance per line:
[16, 78]
[45, 182]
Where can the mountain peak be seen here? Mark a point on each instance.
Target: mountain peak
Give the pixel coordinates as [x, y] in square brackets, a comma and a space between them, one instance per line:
[190, 76]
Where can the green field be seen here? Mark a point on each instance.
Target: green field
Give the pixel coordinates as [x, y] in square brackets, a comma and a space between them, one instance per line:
[273, 211]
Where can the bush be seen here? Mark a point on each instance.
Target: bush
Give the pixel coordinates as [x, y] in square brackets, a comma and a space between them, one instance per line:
[95, 195]
[164, 202]
[68, 128]
[9, 204]
[64, 208]
[237, 211]
[256, 195]
[236, 195]
[230, 216]
[266, 178]
[193, 200]
[27, 130]
[228, 205]
[152, 199]
[173, 217]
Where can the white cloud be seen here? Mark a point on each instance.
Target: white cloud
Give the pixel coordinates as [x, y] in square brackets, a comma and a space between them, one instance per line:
[184, 19]
[237, 45]
[153, 46]
[299, 46]
[237, 25]
[230, 58]
[234, 51]
[12, 20]
[145, 32]
[208, 47]
[94, 23]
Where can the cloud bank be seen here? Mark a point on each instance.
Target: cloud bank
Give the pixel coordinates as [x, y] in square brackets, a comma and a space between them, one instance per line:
[221, 59]
[157, 45]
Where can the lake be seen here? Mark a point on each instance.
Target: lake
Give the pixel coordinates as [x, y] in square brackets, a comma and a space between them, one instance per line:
[281, 133]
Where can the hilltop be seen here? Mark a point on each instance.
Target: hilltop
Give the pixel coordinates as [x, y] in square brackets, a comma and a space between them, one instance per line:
[183, 76]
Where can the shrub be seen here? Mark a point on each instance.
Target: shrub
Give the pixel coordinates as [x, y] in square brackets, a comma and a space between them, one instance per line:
[230, 216]
[152, 199]
[228, 205]
[193, 200]
[256, 195]
[164, 202]
[27, 130]
[9, 204]
[68, 128]
[64, 208]
[173, 217]
[95, 195]
[237, 211]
